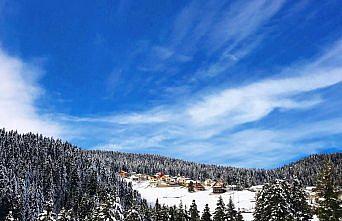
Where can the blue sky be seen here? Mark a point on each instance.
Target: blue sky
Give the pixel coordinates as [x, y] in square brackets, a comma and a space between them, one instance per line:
[241, 83]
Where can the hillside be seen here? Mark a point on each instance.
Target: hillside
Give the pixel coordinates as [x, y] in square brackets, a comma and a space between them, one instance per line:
[305, 169]
[36, 169]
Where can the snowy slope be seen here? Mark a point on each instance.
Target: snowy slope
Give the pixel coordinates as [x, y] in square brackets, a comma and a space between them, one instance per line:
[244, 200]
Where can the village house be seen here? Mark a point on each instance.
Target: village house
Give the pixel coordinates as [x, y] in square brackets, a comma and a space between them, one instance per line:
[172, 181]
[181, 180]
[208, 182]
[123, 174]
[188, 181]
[159, 175]
[199, 186]
[219, 187]
[134, 178]
[232, 187]
[142, 177]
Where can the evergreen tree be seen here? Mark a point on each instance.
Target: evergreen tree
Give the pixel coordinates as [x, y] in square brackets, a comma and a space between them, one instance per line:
[172, 213]
[133, 215]
[219, 214]
[329, 206]
[231, 213]
[164, 214]
[298, 198]
[145, 211]
[206, 215]
[157, 213]
[181, 213]
[47, 214]
[110, 210]
[273, 203]
[191, 187]
[10, 217]
[239, 216]
[193, 212]
[64, 215]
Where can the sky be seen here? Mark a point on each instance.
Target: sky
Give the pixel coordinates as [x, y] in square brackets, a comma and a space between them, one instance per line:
[239, 83]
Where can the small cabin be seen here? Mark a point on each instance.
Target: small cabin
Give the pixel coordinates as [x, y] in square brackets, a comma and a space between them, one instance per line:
[182, 180]
[199, 186]
[123, 173]
[188, 181]
[208, 182]
[232, 187]
[162, 184]
[172, 181]
[219, 187]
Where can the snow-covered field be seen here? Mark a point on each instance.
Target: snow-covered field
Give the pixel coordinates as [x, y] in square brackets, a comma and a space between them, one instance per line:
[244, 200]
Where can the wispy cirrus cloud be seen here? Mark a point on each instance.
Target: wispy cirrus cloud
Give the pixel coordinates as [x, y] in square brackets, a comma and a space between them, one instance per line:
[224, 32]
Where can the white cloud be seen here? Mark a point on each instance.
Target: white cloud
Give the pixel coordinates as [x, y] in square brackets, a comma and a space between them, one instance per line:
[241, 20]
[18, 94]
[255, 101]
[207, 122]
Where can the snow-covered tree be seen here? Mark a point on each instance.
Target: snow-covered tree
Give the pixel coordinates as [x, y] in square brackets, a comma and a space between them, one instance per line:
[299, 204]
[10, 217]
[231, 213]
[133, 215]
[219, 214]
[109, 210]
[172, 213]
[239, 216]
[193, 212]
[47, 214]
[164, 215]
[181, 213]
[64, 215]
[206, 215]
[273, 203]
[329, 206]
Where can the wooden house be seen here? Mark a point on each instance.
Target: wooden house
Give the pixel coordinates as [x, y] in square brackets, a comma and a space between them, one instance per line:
[199, 186]
[209, 182]
[123, 174]
[219, 187]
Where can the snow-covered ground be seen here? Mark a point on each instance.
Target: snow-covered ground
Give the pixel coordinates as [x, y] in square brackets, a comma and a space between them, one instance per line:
[244, 200]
